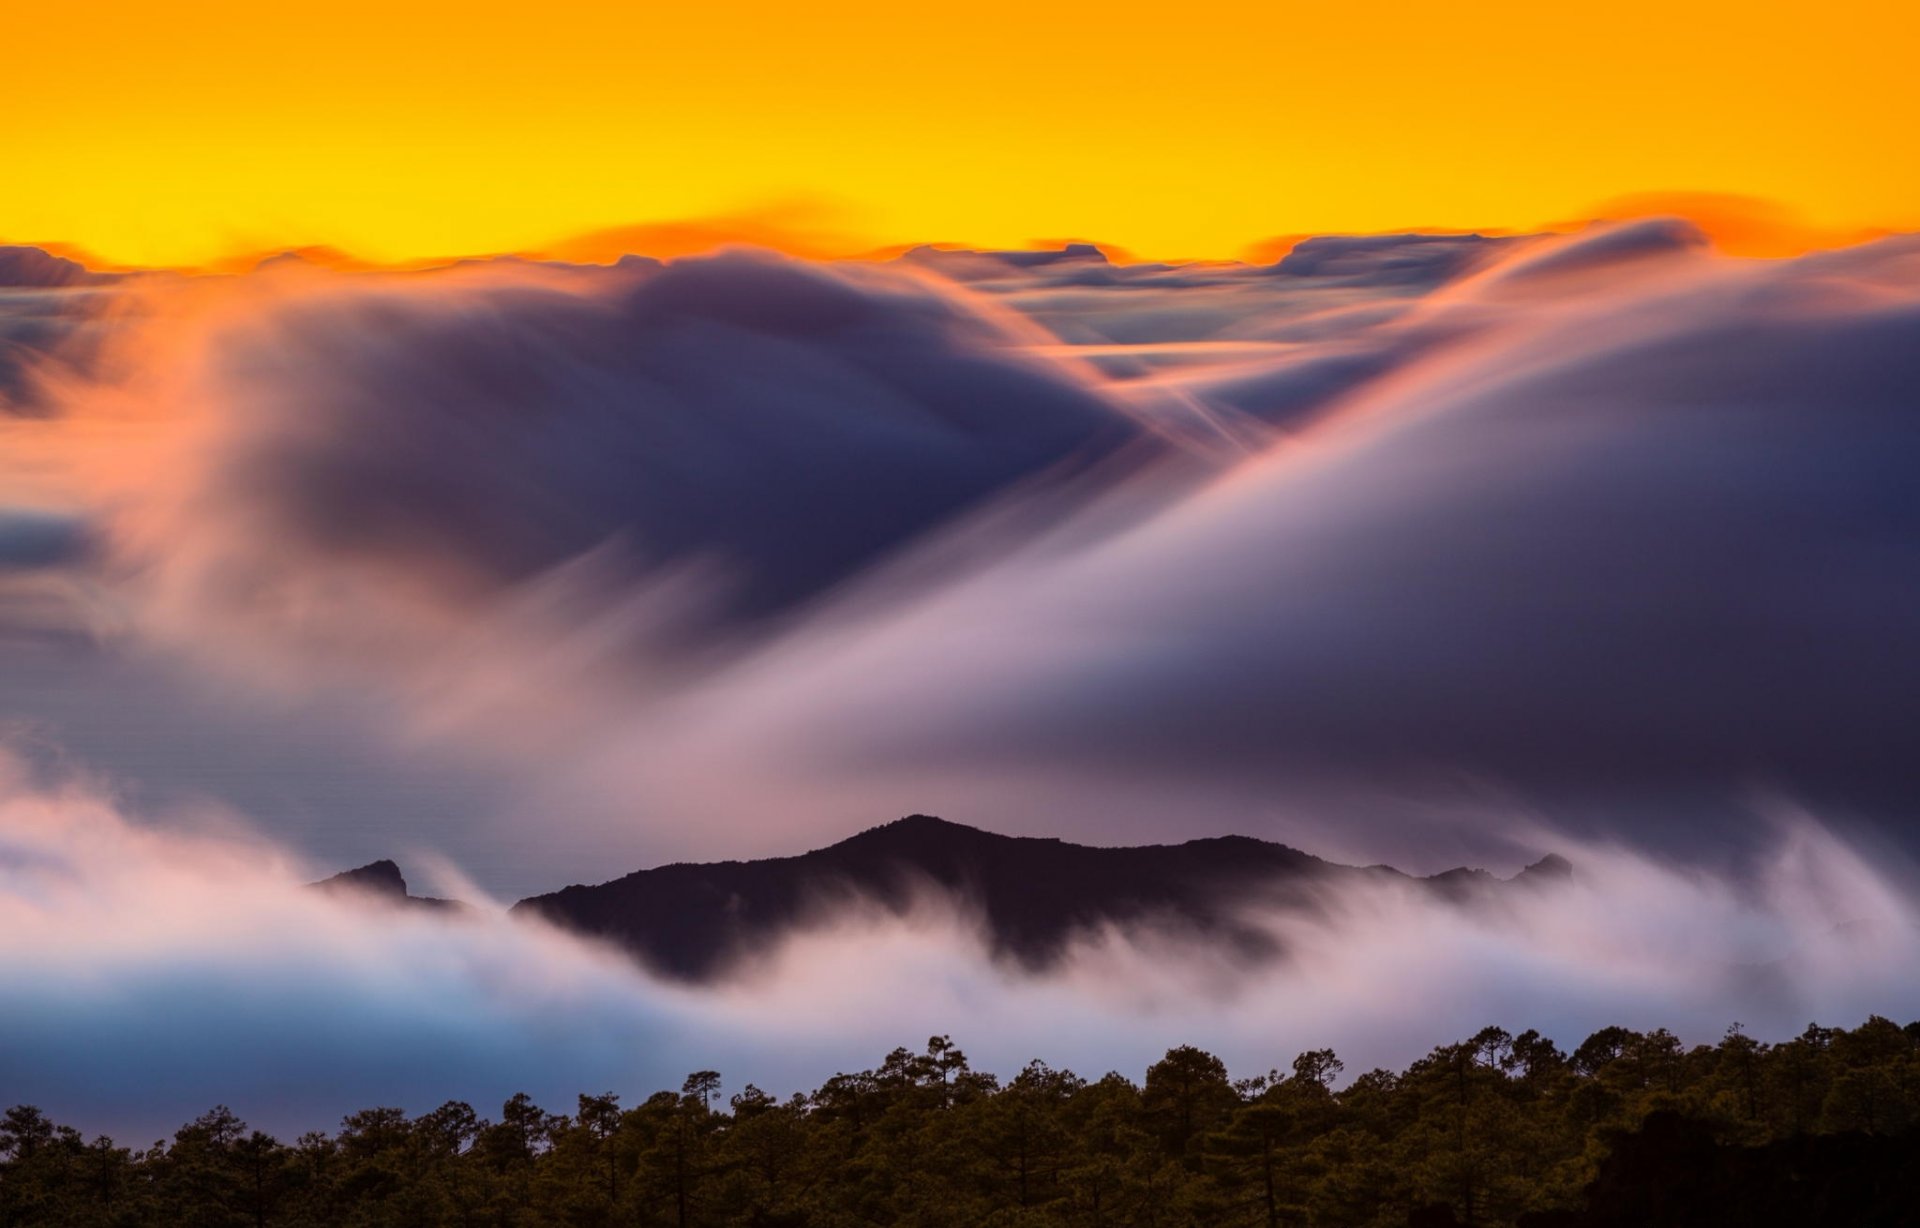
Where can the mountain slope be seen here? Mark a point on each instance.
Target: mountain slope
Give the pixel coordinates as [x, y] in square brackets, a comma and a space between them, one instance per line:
[1032, 895]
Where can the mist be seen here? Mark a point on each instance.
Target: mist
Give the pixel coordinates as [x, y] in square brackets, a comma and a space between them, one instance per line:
[153, 971]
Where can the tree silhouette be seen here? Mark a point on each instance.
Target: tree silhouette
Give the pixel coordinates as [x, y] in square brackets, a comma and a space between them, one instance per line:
[1633, 1129]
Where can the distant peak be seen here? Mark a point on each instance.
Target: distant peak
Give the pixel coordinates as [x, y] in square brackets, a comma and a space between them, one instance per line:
[381, 880]
[922, 820]
[1552, 866]
[919, 826]
[1234, 839]
[382, 877]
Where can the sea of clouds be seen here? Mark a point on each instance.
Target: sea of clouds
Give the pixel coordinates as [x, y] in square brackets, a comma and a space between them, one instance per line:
[1421, 550]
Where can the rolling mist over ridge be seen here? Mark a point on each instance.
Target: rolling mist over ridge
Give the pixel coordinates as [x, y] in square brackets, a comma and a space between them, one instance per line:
[1033, 896]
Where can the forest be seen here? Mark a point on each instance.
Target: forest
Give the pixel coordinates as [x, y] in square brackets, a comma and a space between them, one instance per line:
[1630, 1128]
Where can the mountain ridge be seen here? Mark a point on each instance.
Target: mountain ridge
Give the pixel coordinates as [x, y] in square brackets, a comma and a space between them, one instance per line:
[696, 921]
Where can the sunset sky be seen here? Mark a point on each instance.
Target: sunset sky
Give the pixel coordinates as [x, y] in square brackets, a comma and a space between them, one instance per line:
[397, 131]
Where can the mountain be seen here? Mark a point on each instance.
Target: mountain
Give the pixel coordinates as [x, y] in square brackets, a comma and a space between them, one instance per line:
[381, 880]
[1033, 895]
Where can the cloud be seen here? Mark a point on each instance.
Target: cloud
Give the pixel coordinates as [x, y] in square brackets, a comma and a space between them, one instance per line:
[31, 539]
[1621, 549]
[772, 425]
[46, 335]
[809, 228]
[152, 972]
[1737, 225]
[37, 268]
[1389, 260]
[1610, 534]
[1068, 264]
[1602, 250]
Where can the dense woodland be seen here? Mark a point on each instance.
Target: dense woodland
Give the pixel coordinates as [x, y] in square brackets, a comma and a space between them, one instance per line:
[1630, 1128]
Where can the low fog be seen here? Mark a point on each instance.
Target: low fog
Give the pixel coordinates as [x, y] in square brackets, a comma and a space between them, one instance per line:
[152, 972]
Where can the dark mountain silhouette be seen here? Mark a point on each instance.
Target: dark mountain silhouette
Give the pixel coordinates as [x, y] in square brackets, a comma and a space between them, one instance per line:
[1032, 895]
[381, 880]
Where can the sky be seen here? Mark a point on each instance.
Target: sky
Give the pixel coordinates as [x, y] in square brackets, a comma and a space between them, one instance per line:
[189, 133]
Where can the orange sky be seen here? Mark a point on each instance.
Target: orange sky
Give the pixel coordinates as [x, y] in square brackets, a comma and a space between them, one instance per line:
[396, 130]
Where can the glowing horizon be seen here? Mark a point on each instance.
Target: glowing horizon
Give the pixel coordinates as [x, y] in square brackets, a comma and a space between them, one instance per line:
[401, 133]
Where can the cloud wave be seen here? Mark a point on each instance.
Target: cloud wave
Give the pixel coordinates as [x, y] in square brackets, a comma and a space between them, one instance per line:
[1594, 534]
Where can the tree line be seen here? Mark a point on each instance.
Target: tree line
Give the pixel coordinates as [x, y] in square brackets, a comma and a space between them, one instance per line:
[1630, 1128]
